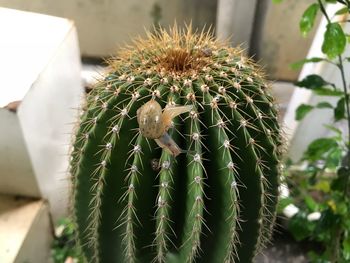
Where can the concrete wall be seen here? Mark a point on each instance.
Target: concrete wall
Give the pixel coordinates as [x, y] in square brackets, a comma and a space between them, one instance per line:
[281, 42]
[104, 24]
[235, 21]
[269, 32]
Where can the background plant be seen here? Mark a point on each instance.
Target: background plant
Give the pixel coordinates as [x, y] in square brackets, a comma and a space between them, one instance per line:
[323, 185]
[64, 244]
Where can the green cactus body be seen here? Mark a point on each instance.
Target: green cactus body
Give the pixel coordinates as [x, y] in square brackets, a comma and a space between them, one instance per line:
[214, 202]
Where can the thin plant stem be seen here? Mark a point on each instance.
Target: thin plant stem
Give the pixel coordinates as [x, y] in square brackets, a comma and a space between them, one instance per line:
[345, 90]
[323, 10]
[346, 96]
[338, 231]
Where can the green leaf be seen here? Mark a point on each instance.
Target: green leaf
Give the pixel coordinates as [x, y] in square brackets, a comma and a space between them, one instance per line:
[327, 92]
[317, 84]
[310, 203]
[300, 63]
[302, 110]
[319, 147]
[342, 208]
[342, 11]
[334, 158]
[339, 183]
[328, 217]
[346, 248]
[339, 111]
[308, 19]
[334, 40]
[283, 203]
[324, 105]
[316, 257]
[312, 81]
[322, 185]
[300, 227]
[277, 1]
[334, 129]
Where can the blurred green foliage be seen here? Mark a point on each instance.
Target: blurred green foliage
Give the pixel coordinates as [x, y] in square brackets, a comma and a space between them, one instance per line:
[321, 188]
[64, 245]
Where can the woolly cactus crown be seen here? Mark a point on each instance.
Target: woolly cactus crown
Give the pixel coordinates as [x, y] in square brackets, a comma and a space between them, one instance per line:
[216, 202]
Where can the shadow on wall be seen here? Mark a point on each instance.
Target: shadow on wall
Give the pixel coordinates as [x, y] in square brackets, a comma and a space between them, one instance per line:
[104, 25]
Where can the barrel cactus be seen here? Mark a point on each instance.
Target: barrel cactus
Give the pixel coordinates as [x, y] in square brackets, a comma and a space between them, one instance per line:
[176, 157]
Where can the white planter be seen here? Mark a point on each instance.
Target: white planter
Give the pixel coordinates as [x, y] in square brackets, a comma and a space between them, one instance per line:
[40, 67]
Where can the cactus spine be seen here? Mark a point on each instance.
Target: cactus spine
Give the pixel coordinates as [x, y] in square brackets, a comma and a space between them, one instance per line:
[136, 202]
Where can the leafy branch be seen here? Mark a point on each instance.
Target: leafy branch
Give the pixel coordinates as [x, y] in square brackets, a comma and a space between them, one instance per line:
[326, 154]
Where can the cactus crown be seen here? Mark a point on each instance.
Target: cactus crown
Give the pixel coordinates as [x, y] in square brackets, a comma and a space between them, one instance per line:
[175, 53]
[136, 202]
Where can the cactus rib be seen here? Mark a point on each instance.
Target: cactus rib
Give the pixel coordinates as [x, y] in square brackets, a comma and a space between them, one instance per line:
[164, 228]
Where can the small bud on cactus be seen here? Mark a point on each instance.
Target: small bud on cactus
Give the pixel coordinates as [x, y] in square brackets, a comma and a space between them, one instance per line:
[176, 158]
